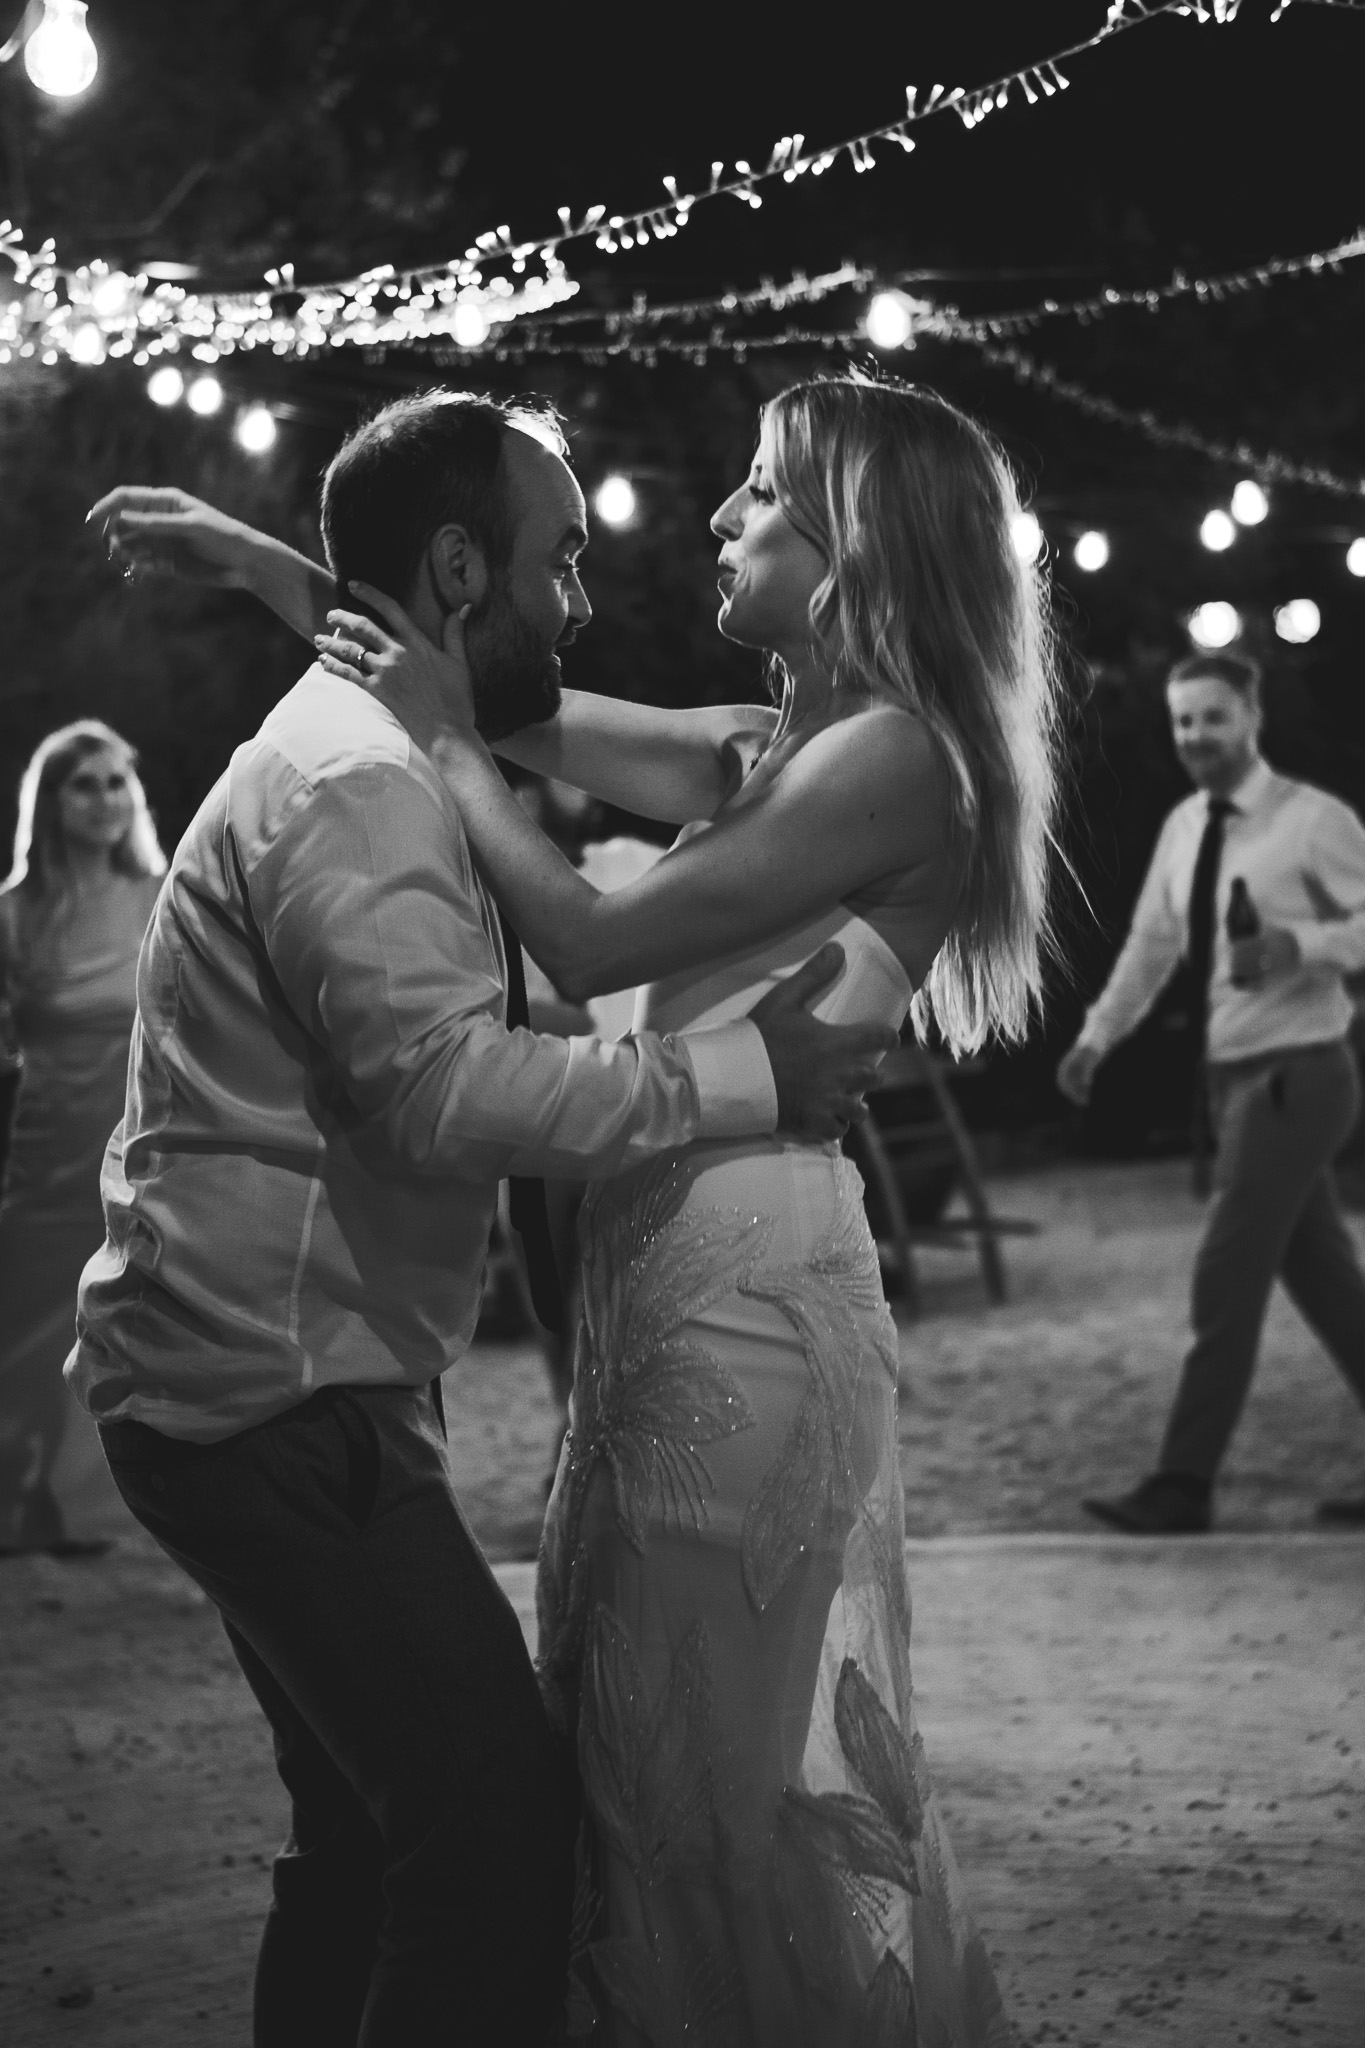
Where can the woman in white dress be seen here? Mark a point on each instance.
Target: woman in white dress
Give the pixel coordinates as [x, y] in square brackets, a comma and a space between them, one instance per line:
[723, 1609]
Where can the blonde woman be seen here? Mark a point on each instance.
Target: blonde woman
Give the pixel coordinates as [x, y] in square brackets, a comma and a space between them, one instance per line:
[85, 874]
[724, 1615]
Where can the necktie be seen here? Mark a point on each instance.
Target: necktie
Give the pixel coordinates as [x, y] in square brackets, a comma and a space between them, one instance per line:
[526, 1198]
[1203, 893]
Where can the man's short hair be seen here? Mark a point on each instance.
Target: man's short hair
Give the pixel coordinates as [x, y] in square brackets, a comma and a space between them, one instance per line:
[1238, 671]
[430, 460]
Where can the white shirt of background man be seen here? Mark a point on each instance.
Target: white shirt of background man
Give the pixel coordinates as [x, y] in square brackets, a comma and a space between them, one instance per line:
[1301, 854]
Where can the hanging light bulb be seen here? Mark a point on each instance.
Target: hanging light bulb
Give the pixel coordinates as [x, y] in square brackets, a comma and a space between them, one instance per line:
[87, 343]
[256, 429]
[1091, 551]
[205, 395]
[1249, 503]
[165, 386]
[1355, 556]
[111, 294]
[59, 56]
[469, 325]
[890, 321]
[1217, 531]
[1026, 536]
[1215, 624]
[1298, 621]
[614, 501]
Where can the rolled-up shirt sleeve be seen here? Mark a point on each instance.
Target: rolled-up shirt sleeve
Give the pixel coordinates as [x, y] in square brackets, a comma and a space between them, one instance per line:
[1334, 875]
[368, 912]
[1150, 955]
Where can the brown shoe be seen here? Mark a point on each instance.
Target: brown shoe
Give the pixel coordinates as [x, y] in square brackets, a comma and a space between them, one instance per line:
[1166, 1504]
[1347, 1511]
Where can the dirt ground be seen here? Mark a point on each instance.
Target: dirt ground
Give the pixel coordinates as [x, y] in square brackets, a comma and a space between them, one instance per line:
[1151, 1754]
[1009, 1415]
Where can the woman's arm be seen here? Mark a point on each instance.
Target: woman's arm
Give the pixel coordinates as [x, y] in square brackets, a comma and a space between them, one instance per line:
[169, 533]
[671, 765]
[864, 798]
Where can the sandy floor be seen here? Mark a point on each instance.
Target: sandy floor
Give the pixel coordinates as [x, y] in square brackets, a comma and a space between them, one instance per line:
[1009, 1415]
[1151, 1753]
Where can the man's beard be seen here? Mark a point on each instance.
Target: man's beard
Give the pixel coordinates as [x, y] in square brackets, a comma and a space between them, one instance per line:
[513, 675]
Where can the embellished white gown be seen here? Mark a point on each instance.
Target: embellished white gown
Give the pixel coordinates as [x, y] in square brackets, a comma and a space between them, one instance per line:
[722, 1601]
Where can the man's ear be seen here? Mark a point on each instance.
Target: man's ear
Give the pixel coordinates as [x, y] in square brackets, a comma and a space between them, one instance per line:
[458, 568]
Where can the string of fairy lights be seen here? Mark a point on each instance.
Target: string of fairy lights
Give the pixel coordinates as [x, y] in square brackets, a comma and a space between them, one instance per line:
[507, 299]
[98, 311]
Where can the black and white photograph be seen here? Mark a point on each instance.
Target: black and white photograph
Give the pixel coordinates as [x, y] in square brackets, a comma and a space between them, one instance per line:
[682, 1003]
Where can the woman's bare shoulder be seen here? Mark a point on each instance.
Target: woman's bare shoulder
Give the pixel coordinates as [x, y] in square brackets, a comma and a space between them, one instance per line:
[876, 779]
[884, 745]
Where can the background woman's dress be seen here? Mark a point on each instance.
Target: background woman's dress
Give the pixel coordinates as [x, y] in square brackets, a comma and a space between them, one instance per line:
[723, 1608]
[73, 1008]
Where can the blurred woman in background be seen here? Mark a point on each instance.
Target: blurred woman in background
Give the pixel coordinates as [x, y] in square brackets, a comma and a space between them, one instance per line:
[87, 867]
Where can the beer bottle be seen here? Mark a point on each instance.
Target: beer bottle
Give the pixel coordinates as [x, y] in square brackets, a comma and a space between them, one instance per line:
[1243, 920]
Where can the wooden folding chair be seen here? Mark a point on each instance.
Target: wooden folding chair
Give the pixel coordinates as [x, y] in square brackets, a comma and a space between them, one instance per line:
[891, 1147]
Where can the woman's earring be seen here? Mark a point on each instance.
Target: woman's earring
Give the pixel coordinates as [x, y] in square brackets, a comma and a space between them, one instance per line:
[464, 611]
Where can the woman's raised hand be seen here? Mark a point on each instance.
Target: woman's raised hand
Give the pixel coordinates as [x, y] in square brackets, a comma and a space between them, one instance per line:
[426, 686]
[166, 532]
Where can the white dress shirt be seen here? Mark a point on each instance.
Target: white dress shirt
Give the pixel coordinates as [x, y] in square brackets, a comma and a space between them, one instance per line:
[323, 1093]
[1301, 854]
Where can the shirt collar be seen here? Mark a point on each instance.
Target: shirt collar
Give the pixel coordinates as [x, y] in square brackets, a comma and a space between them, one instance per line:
[1250, 790]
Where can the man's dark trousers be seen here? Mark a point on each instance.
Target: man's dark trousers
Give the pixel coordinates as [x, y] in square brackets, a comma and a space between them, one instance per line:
[424, 1893]
[1280, 1120]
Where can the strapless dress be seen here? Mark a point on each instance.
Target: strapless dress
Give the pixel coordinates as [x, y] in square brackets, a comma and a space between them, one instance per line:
[723, 1610]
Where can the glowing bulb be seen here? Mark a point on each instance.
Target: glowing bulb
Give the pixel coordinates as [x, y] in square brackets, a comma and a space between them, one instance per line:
[1091, 551]
[165, 386]
[256, 429]
[110, 295]
[205, 395]
[1215, 624]
[889, 321]
[615, 501]
[1298, 621]
[59, 56]
[1026, 536]
[87, 343]
[1355, 556]
[469, 325]
[1217, 531]
[1249, 503]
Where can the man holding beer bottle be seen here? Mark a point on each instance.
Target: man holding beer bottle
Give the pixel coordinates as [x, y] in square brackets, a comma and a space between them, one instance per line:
[1258, 882]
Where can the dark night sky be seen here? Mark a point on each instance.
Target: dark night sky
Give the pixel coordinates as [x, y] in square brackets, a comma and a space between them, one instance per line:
[1231, 140]
[338, 133]
[342, 135]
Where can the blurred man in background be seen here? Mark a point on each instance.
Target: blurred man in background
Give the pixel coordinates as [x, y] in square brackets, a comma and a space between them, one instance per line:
[1258, 882]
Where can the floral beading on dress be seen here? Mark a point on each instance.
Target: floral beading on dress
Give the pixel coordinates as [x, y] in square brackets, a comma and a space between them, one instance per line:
[724, 1636]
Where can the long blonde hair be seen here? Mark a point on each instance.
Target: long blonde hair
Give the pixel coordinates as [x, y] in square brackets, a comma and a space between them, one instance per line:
[40, 854]
[912, 504]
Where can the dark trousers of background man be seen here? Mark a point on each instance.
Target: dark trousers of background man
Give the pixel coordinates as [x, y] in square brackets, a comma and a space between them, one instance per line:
[1280, 1121]
[424, 1893]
